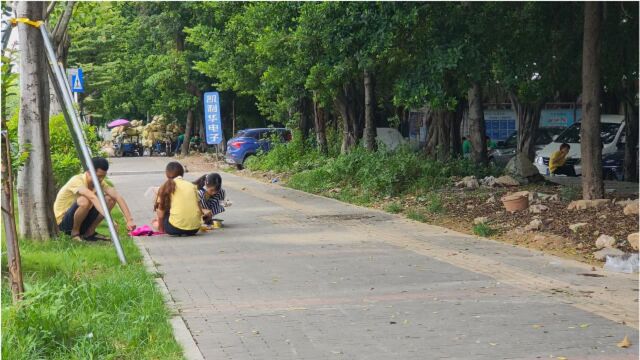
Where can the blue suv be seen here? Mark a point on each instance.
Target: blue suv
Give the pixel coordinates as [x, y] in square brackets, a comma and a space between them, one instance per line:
[248, 142]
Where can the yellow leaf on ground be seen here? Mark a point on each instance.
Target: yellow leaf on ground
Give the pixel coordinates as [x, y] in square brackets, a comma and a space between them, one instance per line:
[625, 343]
[562, 358]
[584, 325]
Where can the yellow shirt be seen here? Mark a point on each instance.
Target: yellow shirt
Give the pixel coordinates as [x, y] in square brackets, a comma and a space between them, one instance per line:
[556, 160]
[185, 211]
[69, 193]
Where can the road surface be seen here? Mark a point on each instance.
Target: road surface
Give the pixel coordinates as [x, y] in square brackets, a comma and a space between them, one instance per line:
[296, 276]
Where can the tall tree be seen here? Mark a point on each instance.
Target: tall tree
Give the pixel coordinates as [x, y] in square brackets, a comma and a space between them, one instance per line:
[35, 186]
[537, 62]
[590, 142]
[620, 72]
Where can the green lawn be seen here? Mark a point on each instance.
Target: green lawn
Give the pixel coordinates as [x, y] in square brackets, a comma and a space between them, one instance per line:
[80, 303]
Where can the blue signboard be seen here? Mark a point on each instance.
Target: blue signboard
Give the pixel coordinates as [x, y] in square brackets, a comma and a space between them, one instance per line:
[77, 82]
[212, 121]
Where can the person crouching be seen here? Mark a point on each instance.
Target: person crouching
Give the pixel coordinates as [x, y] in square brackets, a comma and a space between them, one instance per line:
[211, 195]
[177, 209]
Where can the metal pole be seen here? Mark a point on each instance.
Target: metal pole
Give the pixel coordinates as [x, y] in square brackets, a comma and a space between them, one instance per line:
[58, 80]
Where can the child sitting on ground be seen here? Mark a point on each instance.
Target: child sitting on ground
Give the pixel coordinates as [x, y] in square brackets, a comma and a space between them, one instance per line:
[211, 196]
[177, 209]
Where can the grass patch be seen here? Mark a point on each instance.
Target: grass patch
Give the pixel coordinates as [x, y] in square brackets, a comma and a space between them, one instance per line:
[483, 230]
[570, 193]
[435, 204]
[393, 207]
[80, 303]
[416, 215]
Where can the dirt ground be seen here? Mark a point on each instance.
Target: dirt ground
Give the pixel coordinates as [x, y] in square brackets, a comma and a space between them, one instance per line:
[460, 207]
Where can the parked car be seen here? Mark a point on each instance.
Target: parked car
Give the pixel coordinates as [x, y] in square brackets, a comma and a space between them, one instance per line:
[506, 149]
[248, 142]
[613, 166]
[611, 133]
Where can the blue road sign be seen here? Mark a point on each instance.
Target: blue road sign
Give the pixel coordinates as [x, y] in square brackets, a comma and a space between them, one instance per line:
[77, 82]
[212, 120]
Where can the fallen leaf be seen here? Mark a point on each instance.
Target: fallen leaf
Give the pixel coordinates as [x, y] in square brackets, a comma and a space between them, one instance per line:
[493, 344]
[625, 343]
[536, 326]
[562, 358]
[584, 325]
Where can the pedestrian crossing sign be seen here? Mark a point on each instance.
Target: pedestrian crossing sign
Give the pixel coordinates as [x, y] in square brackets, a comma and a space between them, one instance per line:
[77, 82]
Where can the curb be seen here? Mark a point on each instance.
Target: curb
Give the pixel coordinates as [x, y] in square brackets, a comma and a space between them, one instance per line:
[180, 330]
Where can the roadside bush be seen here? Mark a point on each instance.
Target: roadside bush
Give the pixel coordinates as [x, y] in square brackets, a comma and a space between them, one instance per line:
[483, 230]
[65, 161]
[293, 156]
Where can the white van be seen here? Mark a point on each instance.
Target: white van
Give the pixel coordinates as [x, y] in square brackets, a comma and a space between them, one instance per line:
[611, 132]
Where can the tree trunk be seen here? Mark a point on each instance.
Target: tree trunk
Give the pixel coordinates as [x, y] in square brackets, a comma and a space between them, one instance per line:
[477, 131]
[438, 134]
[202, 133]
[9, 221]
[36, 190]
[344, 106]
[187, 133]
[320, 128]
[590, 144]
[528, 118]
[631, 142]
[8, 209]
[233, 116]
[455, 136]
[306, 112]
[369, 113]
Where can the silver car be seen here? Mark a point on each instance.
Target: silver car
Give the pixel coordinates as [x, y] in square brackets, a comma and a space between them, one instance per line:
[506, 149]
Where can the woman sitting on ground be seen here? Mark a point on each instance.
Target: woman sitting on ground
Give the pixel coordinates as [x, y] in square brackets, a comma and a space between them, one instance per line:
[211, 195]
[177, 209]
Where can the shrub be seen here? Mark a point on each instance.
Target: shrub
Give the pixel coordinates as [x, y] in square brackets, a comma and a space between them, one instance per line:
[570, 193]
[483, 230]
[65, 161]
[435, 204]
[416, 215]
[394, 207]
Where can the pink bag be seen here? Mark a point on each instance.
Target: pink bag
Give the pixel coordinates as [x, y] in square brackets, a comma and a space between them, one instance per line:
[145, 230]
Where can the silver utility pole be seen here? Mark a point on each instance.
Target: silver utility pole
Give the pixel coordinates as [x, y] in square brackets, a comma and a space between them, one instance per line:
[73, 120]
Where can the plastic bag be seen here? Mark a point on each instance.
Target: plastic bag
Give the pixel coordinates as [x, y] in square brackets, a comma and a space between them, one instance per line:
[627, 263]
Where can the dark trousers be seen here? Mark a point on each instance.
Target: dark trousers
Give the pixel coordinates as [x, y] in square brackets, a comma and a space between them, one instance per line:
[66, 225]
[565, 170]
[172, 230]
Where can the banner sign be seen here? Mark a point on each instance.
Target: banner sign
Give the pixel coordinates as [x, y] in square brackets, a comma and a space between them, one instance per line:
[557, 118]
[212, 118]
[499, 124]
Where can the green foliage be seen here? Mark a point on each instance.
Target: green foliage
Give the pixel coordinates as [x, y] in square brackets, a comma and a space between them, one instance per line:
[435, 204]
[382, 173]
[293, 156]
[81, 304]
[570, 193]
[483, 230]
[64, 158]
[417, 215]
[393, 207]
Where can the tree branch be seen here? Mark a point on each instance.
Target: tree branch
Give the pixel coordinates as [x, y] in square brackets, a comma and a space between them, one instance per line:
[50, 8]
[63, 23]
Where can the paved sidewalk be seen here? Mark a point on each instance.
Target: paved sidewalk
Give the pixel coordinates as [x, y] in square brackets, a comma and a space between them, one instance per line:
[296, 276]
